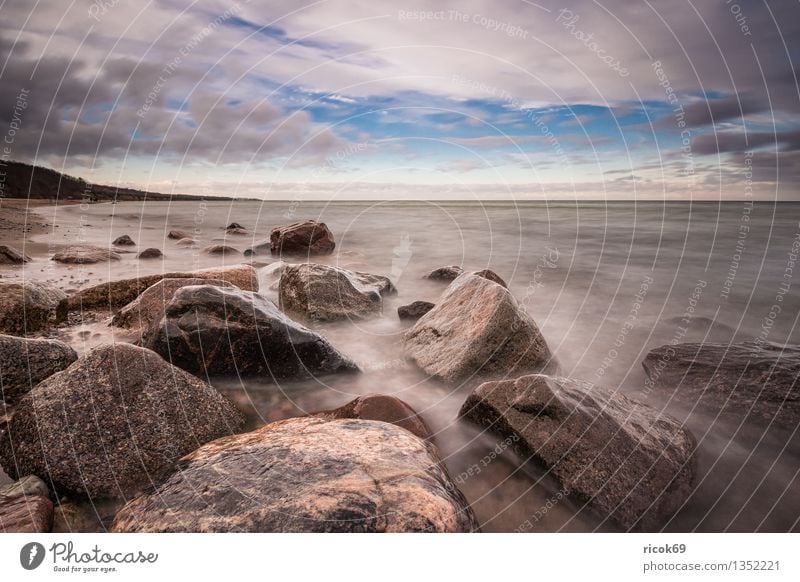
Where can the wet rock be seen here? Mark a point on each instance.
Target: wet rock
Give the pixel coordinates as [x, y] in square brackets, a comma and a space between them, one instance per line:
[148, 308]
[234, 226]
[477, 328]
[26, 362]
[11, 256]
[119, 293]
[178, 234]
[186, 242]
[302, 238]
[306, 475]
[84, 255]
[112, 422]
[225, 331]
[629, 462]
[27, 307]
[151, 254]
[383, 408]
[236, 232]
[325, 293]
[260, 248]
[26, 514]
[124, 241]
[491, 276]
[221, 250]
[445, 273]
[753, 380]
[414, 310]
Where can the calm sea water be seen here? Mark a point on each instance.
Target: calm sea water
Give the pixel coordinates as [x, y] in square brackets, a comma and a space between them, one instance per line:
[581, 270]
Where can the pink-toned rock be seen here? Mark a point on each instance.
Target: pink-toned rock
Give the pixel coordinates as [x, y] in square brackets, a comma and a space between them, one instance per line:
[302, 238]
[380, 407]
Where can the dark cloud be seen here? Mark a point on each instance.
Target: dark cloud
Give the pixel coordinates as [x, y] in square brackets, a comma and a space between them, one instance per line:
[740, 142]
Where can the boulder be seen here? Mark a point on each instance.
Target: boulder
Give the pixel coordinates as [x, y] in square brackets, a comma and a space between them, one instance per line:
[491, 276]
[26, 514]
[225, 331]
[26, 362]
[414, 310]
[118, 293]
[27, 307]
[306, 475]
[123, 241]
[151, 254]
[445, 273]
[112, 422]
[148, 308]
[178, 234]
[25, 487]
[260, 248]
[11, 256]
[477, 328]
[325, 293]
[632, 464]
[754, 380]
[221, 250]
[302, 238]
[383, 408]
[84, 255]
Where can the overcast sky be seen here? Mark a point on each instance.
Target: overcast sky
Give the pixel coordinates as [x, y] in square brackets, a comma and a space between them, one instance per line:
[379, 98]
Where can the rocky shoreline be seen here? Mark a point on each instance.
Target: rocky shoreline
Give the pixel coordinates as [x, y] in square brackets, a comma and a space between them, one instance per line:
[139, 430]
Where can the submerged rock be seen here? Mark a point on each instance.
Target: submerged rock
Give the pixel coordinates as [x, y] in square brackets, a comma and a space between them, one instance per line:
[225, 331]
[629, 462]
[477, 328]
[306, 475]
[445, 273]
[85, 255]
[380, 407]
[27, 307]
[11, 256]
[119, 293]
[305, 238]
[755, 380]
[221, 250]
[260, 248]
[151, 254]
[178, 234]
[324, 293]
[234, 226]
[26, 362]
[123, 240]
[112, 422]
[414, 310]
[186, 242]
[148, 308]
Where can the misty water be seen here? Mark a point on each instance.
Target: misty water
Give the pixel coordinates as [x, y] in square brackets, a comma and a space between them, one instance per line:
[581, 270]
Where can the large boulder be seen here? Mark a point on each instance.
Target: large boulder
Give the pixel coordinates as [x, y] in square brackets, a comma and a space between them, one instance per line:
[302, 238]
[325, 293]
[148, 308]
[380, 407]
[113, 421]
[119, 293]
[84, 255]
[226, 331]
[11, 256]
[477, 328]
[26, 306]
[306, 475]
[754, 380]
[26, 362]
[25, 507]
[632, 464]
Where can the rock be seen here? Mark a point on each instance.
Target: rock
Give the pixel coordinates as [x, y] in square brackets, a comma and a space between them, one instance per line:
[631, 463]
[11, 256]
[225, 331]
[84, 255]
[221, 250]
[27, 307]
[477, 328]
[445, 273]
[755, 380]
[112, 422]
[186, 242]
[119, 293]
[305, 238]
[124, 240]
[234, 226]
[148, 308]
[414, 310]
[26, 514]
[178, 234]
[306, 475]
[491, 276]
[325, 293]
[260, 248]
[383, 408]
[236, 232]
[26, 362]
[151, 254]
[25, 487]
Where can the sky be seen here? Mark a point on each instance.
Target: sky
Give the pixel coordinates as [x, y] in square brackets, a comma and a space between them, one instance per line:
[477, 99]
